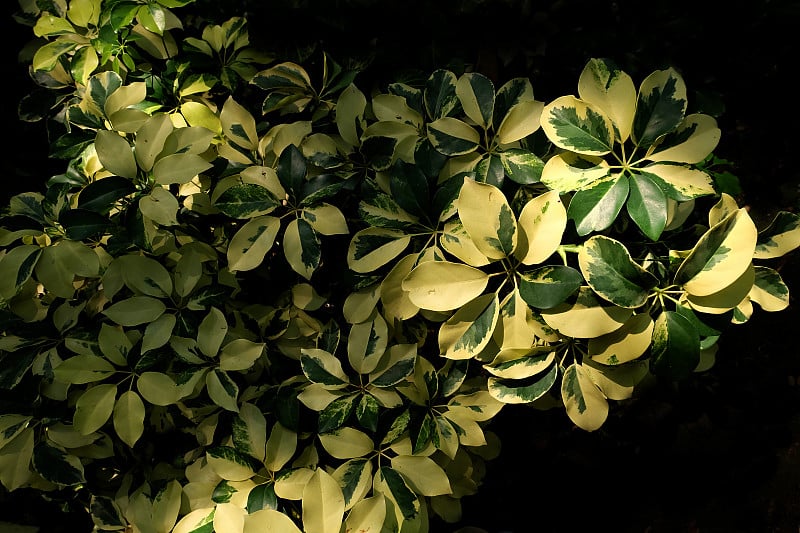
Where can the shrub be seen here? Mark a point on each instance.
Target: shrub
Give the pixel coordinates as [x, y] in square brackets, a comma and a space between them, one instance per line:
[260, 297]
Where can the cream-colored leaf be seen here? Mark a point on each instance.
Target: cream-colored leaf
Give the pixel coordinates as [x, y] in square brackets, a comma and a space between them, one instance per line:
[422, 474]
[542, 223]
[323, 504]
[587, 317]
[442, 286]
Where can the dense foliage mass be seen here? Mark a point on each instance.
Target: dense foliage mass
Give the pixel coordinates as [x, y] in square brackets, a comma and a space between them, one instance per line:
[263, 296]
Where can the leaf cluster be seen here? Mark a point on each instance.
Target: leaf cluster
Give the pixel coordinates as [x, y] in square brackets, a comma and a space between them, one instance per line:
[321, 296]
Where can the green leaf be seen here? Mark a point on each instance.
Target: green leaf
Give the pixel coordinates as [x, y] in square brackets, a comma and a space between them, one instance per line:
[367, 412]
[676, 346]
[15, 460]
[179, 168]
[720, 256]
[292, 169]
[442, 286]
[409, 188]
[679, 182]
[82, 224]
[610, 270]
[263, 497]
[158, 388]
[251, 243]
[585, 403]
[160, 206]
[595, 208]
[647, 206]
[135, 310]
[396, 365]
[115, 154]
[102, 194]
[106, 514]
[660, 106]
[150, 139]
[488, 219]
[57, 466]
[476, 94]
[577, 126]
[527, 390]
[211, 332]
[548, 286]
[129, 413]
[240, 354]
[83, 369]
[144, 275]
[94, 408]
[470, 328]
[158, 332]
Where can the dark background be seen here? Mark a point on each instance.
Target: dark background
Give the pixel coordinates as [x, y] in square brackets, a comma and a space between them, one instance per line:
[719, 453]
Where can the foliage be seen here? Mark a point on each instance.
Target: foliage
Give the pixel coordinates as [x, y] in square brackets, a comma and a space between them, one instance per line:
[260, 297]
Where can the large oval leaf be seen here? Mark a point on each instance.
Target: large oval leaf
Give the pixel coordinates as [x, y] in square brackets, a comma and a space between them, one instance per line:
[676, 346]
[476, 94]
[549, 286]
[530, 389]
[660, 106]
[470, 328]
[720, 256]
[323, 504]
[596, 207]
[94, 408]
[610, 270]
[135, 310]
[602, 84]
[586, 316]
[627, 343]
[585, 403]
[696, 137]
[442, 286]
[577, 126]
[371, 248]
[488, 218]
[542, 223]
[453, 137]
[252, 242]
[520, 121]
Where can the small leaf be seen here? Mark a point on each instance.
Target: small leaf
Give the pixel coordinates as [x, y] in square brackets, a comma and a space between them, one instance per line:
[676, 346]
[541, 223]
[157, 388]
[246, 200]
[527, 390]
[251, 243]
[647, 206]
[578, 126]
[660, 106]
[322, 367]
[346, 443]
[301, 245]
[442, 286]
[211, 332]
[610, 270]
[470, 328]
[372, 248]
[222, 390]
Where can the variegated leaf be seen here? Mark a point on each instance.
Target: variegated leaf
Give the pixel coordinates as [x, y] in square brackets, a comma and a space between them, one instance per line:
[453, 137]
[780, 237]
[476, 94]
[696, 137]
[520, 363]
[586, 316]
[238, 124]
[769, 290]
[391, 484]
[322, 367]
[679, 182]
[251, 243]
[616, 382]
[246, 200]
[726, 298]
[578, 126]
[602, 84]
[439, 94]
[229, 463]
[443, 286]
[396, 365]
[514, 329]
[222, 390]
[541, 223]
[660, 106]
[366, 344]
[355, 479]
[488, 219]
[720, 256]
[302, 247]
[585, 403]
[395, 300]
[610, 270]
[522, 166]
[596, 207]
[368, 514]
[548, 286]
[371, 248]
[350, 109]
[455, 240]
[676, 346]
[470, 328]
[527, 390]
[627, 343]
[346, 443]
